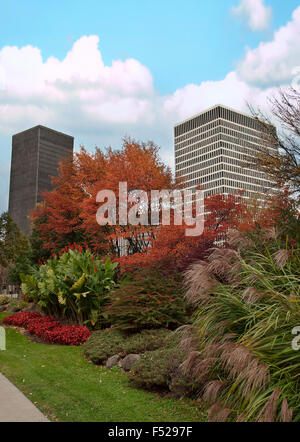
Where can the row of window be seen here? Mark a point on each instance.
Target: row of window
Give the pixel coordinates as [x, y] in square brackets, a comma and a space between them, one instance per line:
[195, 139]
[187, 170]
[226, 168]
[228, 190]
[217, 123]
[241, 160]
[212, 151]
[250, 172]
[212, 148]
[194, 145]
[262, 135]
[229, 175]
[213, 114]
[240, 142]
[228, 182]
[197, 131]
[202, 147]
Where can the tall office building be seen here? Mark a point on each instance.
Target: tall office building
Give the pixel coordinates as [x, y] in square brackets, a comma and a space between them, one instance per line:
[213, 148]
[36, 153]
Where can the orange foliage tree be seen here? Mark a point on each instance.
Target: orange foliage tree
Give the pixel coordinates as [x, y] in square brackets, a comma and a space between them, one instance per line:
[68, 213]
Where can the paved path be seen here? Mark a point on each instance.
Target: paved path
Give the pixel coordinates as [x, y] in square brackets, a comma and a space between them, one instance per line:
[15, 407]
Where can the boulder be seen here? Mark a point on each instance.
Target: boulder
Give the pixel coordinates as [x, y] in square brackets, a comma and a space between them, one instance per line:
[3, 308]
[12, 309]
[127, 363]
[32, 308]
[112, 361]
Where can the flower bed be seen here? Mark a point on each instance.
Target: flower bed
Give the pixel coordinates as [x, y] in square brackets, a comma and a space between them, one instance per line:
[48, 329]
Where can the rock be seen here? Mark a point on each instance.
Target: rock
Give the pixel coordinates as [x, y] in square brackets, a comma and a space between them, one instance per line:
[12, 309]
[128, 361]
[112, 361]
[32, 308]
[3, 308]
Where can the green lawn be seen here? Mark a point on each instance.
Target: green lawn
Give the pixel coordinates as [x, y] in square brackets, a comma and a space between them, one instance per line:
[65, 387]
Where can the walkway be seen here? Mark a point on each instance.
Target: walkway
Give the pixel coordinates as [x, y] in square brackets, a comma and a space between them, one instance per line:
[15, 407]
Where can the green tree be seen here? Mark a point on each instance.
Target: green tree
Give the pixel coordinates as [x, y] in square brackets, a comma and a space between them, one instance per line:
[12, 242]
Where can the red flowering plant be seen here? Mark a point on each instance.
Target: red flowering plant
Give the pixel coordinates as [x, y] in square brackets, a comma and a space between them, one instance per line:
[21, 319]
[73, 285]
[48, 329]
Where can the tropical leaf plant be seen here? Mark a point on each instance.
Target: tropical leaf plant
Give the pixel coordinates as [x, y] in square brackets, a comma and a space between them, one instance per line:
[74, 286]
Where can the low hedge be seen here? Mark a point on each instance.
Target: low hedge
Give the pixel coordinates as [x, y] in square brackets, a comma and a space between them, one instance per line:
[48, 329]
[160, 370]
[105, 343]
[4, 299]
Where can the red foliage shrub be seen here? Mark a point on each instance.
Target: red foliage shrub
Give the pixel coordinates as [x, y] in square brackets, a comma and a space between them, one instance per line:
[48, 329]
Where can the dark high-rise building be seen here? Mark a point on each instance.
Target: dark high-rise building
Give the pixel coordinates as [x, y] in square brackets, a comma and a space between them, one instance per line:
[36, 153]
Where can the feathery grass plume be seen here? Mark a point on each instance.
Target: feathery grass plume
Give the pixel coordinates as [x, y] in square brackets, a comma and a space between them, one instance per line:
[221, 261]
[188, 335]
[240, 240]
[197, 367]
[233, 276]
[244, 331]
[202, 368]
[270, 233]
[251, 295]
[268, 413]
[218, 412]
[257, 376]
[211, 391]
[199, 283]
[281, 257]
[223, 414]
[286, 414]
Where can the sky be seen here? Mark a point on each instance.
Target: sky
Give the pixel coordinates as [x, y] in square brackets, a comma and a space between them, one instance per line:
[102, 70]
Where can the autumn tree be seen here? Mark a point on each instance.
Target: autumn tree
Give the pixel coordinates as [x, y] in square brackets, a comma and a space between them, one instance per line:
[173, 250]
[58, 221]
[68, 213]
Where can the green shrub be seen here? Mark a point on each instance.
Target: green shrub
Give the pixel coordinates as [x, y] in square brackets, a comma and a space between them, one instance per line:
[105, 343]
[22, 304]
[4, 299]
[147, 299]
[18, 304]
[74, 286]
[160, 370]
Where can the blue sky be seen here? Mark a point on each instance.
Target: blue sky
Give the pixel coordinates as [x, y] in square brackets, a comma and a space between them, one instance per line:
[181, 42]
[137, 68]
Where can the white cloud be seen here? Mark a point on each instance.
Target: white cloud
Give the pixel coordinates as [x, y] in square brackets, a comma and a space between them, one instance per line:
[274, 62]
[257, 14]
[100, 104]
[81, 79]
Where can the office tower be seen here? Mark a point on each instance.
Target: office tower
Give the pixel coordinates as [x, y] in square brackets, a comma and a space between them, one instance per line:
[213, 148]
[36, 153]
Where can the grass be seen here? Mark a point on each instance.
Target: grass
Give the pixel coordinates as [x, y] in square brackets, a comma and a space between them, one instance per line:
[65, 387]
